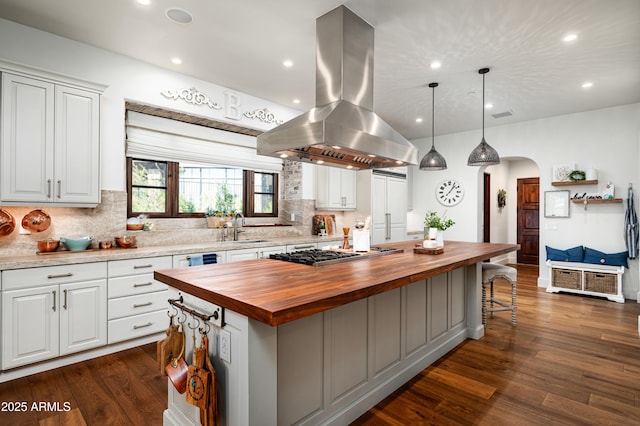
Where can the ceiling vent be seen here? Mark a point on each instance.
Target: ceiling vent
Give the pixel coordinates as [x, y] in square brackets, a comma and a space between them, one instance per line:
[502, 114]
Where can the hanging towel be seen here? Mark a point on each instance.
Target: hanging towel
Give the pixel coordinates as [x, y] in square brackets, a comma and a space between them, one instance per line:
[202, 259]
[209, 258]
[195, 260]
[631, 226]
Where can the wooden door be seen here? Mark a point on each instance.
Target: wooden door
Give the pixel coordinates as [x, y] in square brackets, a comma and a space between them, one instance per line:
[528, 214]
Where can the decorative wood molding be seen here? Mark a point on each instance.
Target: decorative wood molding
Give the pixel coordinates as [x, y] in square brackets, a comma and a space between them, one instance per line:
[192, 96]
[264, 115]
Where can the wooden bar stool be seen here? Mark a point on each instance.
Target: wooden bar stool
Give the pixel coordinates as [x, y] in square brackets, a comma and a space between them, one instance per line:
[491, 272]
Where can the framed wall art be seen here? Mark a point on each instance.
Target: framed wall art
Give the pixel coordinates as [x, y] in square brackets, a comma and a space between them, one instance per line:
[556, 204]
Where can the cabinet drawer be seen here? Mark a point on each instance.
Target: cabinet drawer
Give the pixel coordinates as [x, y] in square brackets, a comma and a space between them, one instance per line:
[138, 304]
[137, 326]
[33, 277]
[132, 285]
[119, 268]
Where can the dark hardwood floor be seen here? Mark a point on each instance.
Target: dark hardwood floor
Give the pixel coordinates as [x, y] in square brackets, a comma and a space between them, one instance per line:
[570, 360]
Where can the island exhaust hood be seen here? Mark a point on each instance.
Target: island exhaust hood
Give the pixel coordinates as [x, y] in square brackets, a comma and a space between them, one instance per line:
[342, 130]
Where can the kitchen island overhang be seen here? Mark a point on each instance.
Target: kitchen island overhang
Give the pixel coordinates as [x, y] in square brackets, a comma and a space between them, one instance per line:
[321, 345]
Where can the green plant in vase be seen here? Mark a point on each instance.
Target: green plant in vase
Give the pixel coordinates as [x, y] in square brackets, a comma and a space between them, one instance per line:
[435, 225]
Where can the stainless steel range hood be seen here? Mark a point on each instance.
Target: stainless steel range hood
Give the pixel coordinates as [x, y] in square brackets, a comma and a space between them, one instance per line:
[342, 130]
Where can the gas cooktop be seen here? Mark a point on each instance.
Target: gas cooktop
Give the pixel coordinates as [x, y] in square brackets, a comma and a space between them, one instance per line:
[317, 257]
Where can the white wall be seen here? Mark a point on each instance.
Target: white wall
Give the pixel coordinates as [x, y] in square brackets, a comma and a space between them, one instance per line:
[127, 79]
[606, 140]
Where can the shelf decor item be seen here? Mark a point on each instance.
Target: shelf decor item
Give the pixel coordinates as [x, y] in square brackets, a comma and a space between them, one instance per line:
[561, 172]
[577, 175]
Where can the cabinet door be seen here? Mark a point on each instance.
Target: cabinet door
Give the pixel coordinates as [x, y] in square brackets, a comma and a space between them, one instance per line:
[83, 316]
[246, 254]
[77, 146]
[379, 233]
[26, 148]
[29, 325]
[397, 208]
[348, 188]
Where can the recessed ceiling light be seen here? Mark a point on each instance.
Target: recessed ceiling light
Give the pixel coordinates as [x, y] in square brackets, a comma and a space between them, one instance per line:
[287, 63]
[419, 120]
[488, 105]
[435, 65]
[320, 162]
[176, 61]
[399, 162]
[587, 84]
[349, 167]
[144, 2]
[335, 147]
[283, 155]
[179, 16]
[570, 37]
[296, 101]
[371, 155]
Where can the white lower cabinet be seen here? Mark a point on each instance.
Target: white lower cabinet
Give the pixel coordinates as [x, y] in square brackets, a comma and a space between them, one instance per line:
[41, 322]
[253, 253]
[137, 303]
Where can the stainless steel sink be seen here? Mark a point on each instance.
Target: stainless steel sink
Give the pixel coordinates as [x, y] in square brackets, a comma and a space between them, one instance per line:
[247, 241]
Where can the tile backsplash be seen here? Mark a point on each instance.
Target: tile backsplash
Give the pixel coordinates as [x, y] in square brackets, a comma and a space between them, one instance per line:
[108, 220]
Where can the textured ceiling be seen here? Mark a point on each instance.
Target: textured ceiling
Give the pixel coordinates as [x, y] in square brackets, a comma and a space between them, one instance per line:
[241, 45]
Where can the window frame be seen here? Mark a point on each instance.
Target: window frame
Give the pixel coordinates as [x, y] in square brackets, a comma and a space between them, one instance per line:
[172, 206]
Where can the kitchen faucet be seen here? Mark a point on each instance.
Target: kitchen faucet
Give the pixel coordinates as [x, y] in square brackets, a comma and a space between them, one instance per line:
[237, 225]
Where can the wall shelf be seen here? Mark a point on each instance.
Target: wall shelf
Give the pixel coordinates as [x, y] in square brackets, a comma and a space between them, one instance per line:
[596, 200]
[575, 182]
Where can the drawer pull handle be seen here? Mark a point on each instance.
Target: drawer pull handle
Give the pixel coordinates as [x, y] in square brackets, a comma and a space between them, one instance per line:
[135, 327]
[54, 301]
[68, 274]
[142, 266]
[140, 305]
[142, 284]
[59, 189]
[48, 188]
[303, 247]
[65, 299]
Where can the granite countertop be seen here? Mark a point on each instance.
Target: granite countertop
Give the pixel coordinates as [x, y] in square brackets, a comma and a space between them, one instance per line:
[88, 256]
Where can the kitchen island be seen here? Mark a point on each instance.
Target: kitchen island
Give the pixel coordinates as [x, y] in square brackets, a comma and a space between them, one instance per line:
[322, 344]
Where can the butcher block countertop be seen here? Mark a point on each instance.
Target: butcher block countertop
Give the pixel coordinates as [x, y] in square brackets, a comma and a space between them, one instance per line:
[275, 292]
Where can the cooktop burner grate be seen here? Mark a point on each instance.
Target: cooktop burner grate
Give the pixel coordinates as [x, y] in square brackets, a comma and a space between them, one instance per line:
[317, 257]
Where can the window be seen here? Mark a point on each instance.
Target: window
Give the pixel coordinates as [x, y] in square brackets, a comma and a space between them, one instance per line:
[171, 189]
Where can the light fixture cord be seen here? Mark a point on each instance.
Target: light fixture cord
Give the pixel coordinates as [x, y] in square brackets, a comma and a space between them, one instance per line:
[483, 106]
[433, 113]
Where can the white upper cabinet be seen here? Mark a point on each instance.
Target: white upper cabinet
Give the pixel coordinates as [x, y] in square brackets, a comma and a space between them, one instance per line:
[50, 143]
[336, 188]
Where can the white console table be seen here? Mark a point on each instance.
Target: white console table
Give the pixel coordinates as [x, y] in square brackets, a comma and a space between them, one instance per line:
[586, 278]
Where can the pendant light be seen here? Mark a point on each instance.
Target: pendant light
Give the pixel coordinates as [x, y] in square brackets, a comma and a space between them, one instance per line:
[432, 159]
[483, 154]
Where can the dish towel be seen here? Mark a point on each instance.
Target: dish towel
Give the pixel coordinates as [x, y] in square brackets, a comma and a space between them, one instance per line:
[632, 231]
[202, 259]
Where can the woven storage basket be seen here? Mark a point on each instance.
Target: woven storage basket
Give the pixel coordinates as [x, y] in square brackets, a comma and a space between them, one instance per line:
[566, 278]
[600, 283]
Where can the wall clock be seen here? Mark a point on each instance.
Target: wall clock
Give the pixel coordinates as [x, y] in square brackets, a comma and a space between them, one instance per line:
[449, 192]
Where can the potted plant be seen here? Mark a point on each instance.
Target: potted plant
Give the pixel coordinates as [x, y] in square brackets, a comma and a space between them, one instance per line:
[214, 218]
[435, 225]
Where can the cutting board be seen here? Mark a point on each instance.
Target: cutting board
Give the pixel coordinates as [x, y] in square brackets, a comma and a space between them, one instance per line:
[329, 221]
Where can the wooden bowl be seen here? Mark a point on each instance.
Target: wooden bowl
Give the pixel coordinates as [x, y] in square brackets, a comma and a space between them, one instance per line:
[135, 226]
